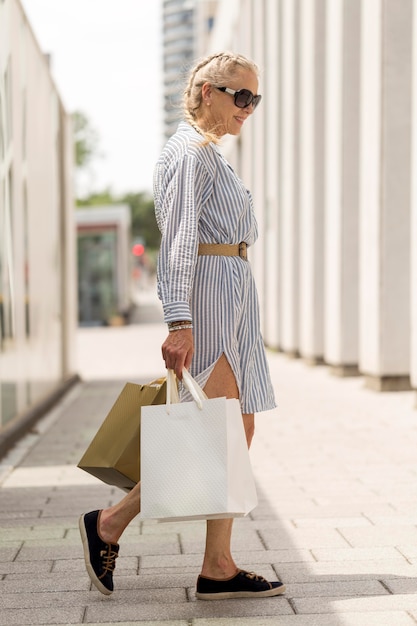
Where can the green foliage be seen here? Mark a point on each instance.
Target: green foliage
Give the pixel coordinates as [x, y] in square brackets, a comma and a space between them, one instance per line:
[143, 218]
[86, 139]
[99, 198]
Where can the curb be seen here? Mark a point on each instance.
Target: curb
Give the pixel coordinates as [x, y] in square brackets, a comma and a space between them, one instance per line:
[21, 424]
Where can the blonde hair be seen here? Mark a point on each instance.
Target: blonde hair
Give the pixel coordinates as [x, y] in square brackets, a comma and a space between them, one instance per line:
[216, 69]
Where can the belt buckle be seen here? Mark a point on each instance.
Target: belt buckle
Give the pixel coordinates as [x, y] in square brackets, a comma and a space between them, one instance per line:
[243, 251]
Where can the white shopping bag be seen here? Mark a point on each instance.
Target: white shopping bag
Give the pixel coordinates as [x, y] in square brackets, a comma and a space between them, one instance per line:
[194, 458]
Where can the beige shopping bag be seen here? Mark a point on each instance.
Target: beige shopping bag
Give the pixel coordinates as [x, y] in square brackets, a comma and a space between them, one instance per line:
[113, 454]
[194, 459]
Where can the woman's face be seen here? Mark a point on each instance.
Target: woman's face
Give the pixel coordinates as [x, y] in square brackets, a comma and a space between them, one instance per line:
[222, 114]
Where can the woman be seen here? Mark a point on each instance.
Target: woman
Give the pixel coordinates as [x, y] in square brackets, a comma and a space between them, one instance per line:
[205, 283]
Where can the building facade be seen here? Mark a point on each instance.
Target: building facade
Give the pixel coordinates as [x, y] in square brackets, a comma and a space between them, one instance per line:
[186, 28]
[37, 253]
[178, 51]
[331, 158]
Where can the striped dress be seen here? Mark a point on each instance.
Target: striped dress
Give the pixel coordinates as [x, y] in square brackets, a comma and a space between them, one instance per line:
[200, 199]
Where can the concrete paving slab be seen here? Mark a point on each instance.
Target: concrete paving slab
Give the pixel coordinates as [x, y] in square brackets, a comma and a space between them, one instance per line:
[409, 552]
[324, 571]
[24, 568]
[355, 554]
[266, 556]
[142, 623]
[303, 538]
[41, 600]
[234, 609]
[355, 588]
[48, 582]
[402, 585]
[34, 617]
[380, 536]
[332, 522]
[334, 604]
[392, 618]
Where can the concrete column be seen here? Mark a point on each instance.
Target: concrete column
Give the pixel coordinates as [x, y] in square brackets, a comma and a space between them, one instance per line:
[272, 111]
[257, 125]
[245, 141]
[413, 229]
[311, 145]
[385, 193]
[342, 185]
[288, 200]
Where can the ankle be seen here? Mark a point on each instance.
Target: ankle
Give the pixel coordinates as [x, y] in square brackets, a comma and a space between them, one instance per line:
[106, 527]
[220, 569]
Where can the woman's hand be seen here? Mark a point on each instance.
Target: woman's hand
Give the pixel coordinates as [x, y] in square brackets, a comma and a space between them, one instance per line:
[177, 350]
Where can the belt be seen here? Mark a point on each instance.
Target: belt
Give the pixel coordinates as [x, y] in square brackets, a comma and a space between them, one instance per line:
[223, 249]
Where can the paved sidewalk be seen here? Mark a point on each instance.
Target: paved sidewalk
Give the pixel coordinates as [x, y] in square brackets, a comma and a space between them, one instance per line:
[336, 468]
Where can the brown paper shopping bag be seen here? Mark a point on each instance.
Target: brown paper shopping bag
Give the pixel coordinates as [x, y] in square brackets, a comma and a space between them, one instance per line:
[113, 454]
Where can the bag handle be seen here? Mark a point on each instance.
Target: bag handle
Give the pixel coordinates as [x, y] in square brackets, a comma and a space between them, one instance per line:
[172, 389]
[194, 388]
[190, 384]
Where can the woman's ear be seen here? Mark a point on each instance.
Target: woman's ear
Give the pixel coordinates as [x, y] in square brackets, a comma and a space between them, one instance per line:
[206, 91]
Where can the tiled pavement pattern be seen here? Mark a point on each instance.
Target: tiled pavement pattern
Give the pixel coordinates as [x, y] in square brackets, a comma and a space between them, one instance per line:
[336, 468]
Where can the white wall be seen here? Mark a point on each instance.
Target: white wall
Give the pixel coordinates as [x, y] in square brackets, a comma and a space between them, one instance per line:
[37, 279]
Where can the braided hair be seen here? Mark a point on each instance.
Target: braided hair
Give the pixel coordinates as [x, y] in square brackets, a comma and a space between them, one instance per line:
[215, 69]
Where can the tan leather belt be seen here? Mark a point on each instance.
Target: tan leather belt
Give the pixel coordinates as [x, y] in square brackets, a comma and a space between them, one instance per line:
[223, 249]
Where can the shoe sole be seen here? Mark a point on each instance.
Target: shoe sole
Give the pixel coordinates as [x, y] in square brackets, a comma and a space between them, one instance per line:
[93, 577]
[228, 595]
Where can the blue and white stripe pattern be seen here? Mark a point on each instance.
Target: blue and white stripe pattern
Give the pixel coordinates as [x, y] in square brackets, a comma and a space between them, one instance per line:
[200, 199]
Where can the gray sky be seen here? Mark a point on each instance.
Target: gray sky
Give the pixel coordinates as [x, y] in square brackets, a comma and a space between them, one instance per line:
[106, 62]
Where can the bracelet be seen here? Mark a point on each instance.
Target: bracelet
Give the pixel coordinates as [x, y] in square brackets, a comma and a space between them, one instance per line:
[179, 323]
[174, 327]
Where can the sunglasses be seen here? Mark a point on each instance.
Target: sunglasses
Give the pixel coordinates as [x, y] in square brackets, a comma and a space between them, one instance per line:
[243, 98]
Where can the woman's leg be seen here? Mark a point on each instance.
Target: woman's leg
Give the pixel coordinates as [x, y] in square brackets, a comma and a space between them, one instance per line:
[115, 519]
[100, 532]
[218, 561]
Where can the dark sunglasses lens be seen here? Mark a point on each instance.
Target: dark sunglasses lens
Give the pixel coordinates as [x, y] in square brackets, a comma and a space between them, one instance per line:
[244, 98]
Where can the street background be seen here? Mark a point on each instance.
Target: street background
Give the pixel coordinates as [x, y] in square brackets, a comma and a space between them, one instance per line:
[335, 466]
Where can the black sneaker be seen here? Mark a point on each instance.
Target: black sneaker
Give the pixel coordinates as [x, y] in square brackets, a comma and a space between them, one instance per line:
[100, 556]
[242, 585]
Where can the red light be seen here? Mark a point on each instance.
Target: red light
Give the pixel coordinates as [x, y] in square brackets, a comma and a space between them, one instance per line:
[138, 249]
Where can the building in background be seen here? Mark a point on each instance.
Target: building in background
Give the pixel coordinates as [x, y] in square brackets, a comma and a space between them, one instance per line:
[331, 158]
[37, 260]
[104, 265]
[186, 26]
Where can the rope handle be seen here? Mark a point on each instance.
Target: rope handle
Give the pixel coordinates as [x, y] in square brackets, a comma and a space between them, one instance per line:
[194, 388]
[190, 384]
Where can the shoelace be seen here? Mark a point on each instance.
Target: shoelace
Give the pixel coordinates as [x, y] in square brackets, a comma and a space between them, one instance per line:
[256, 577]
[109, 557]
[253, 576]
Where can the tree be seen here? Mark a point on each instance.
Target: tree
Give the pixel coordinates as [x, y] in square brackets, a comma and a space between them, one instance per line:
[86, 140]
[143, 218]
[98, 198]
